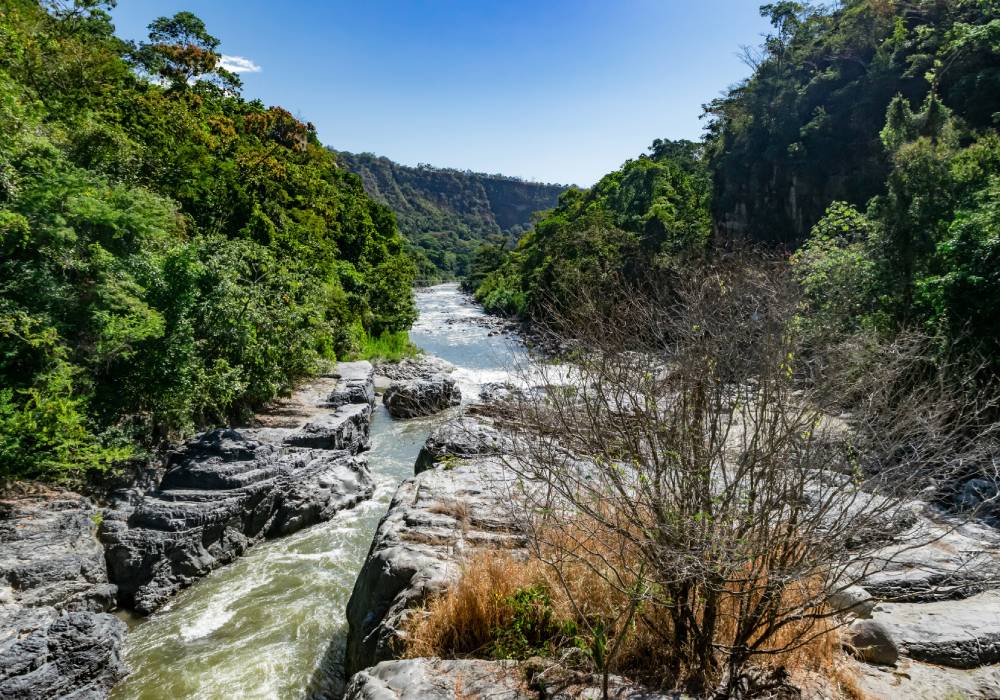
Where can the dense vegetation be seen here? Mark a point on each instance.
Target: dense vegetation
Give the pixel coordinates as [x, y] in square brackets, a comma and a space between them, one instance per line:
[172, 254]
[651, 215]
[446, 214]
[866, 133]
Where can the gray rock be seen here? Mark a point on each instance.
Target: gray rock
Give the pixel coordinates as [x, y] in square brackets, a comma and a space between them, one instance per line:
[48, 653]
[421, 397]
[914, 680]
[957, 633]
[420, 367]
[852, 599]
[440, 679]
[437, 679]
[461, 438]
[356, 385]
[935, 561]
[347, 428]
[50, 554]
[433, 518]
[228, 489]
[223, 493]
[873, 642]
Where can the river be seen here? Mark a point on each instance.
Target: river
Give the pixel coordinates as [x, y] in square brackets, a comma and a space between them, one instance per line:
[271, 625]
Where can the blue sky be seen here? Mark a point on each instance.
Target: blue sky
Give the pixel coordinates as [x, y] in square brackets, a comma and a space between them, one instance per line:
[550, 90]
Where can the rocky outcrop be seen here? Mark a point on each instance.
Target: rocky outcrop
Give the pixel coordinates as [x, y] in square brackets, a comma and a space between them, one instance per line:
[463, 438]
[434, 519]
[50, 653]
[50, 555]
[421, 397]
[227, 489]
[56, 640]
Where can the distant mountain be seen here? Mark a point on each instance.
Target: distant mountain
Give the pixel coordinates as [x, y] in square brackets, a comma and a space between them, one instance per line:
[446, 214]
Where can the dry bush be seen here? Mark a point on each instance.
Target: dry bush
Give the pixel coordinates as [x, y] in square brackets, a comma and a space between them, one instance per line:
[689, 477]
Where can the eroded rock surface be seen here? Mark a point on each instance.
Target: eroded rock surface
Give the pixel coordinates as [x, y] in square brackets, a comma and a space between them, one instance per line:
[462, 438]
[56, 640]
[227, 489]
[434, 520]
[421, 397]
[50, 554]
[50, 653]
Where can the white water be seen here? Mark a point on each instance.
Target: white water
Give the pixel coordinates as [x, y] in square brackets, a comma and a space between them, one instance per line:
[271, 624]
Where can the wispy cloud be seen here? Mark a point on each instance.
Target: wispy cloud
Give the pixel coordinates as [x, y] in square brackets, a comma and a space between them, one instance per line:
[238, 64]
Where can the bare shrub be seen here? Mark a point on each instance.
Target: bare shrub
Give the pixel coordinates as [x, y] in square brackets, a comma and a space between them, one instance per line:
[689, 470]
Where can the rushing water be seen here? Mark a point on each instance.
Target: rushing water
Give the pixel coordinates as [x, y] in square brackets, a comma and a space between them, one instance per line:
[271, 625]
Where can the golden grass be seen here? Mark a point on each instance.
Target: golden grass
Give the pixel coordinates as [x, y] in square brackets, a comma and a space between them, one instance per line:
[462, 621]
[578, 572]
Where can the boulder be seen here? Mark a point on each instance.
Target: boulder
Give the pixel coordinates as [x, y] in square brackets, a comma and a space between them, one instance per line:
[50, 653]
[223, 492]
[956, 633]
[421, 397]
[853, 600]
[347, 428]
[433, 520]
[356, 385]
[873, 642]
[50, 554]
[461, 438]
[914, 680]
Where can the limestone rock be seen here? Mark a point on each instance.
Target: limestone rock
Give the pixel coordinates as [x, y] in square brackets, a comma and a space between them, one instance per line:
[421, 397]
[48, 653]
[957, 633]
[433, 519]
[223, 493]
[50, 554]
[461, 438]
[437, 679]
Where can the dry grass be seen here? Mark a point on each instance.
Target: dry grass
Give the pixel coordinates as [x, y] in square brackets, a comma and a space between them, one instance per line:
[462, 621]
[575, 566]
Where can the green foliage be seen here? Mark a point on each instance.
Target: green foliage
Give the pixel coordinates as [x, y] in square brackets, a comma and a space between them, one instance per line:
[803, 130]
[387, 347]
[926, 252]
[171, 255]
[650, 216]
[533, 628]
[446, 214]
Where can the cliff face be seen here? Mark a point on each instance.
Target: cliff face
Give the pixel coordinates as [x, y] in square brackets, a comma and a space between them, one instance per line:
[445, 214]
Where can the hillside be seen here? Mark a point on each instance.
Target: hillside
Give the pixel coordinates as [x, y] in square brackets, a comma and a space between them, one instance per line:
[171, 254]
[444, 213]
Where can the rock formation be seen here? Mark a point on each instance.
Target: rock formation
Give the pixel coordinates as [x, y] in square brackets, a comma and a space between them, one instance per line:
[228, 489]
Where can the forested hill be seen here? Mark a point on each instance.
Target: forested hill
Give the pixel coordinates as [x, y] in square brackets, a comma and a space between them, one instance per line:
[446, 214]
[171, 254]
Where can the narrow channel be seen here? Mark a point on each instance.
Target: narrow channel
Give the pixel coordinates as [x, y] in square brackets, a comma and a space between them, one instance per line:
[271, 625]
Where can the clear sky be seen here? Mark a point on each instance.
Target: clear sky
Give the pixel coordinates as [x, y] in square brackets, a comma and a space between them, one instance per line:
[550, 90]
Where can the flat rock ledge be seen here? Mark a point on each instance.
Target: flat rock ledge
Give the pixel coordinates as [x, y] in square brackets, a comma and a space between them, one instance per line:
[227, 489]
[56, 638]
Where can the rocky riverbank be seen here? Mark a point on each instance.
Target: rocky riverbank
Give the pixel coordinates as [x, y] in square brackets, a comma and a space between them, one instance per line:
[65, 562]
[926, 625]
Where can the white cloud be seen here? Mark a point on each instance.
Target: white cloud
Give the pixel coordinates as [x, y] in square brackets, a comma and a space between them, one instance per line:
[238, 64]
